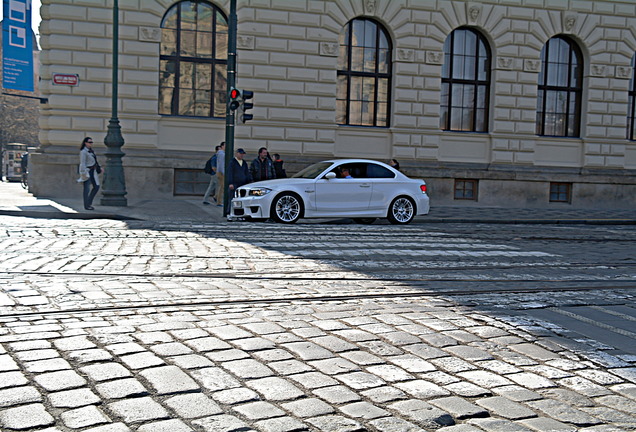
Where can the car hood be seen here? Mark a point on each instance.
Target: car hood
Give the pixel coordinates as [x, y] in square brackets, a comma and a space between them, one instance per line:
[278, 183]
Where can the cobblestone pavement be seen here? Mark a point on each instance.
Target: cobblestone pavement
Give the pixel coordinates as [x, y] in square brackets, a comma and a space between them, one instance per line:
[110, 326]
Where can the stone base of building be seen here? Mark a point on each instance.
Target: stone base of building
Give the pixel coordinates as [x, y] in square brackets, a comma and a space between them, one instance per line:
[151, 175]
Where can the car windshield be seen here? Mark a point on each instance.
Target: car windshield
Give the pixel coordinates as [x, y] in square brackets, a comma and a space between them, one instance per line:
[312, 171]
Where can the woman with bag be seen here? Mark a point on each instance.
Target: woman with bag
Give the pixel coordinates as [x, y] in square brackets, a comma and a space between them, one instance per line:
[88, 171]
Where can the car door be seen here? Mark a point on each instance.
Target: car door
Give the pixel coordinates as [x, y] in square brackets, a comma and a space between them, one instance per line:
[344, 195]
[384, 186]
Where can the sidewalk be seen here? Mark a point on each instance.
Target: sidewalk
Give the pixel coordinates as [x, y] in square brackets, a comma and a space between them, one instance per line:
[15, 201]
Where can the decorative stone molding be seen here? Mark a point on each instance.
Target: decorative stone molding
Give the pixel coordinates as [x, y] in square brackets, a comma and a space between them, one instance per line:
[245, 42]
[434, 57]
[329, 49]
[624, 72]
[405, 55]
[531, 65]
[369, 6]
[473, 13]
[505, 62]
[598, 70]
[149, 34]
[569, 21]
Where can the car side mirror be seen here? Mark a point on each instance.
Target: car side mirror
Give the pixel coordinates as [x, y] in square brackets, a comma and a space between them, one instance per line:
[330, 175]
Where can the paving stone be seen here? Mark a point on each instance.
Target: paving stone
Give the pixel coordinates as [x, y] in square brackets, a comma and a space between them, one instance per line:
[364, 410]
[119, 389]
[214, 378]
[439, 340]
[566, 364]
[254, 344]
[516, 393]
[289, 367]
[412, 363]
[308, 350]
[264, 328]
[360, 380]
[467, 389]
[18, 396]
[84, 417]
[534, 351]
[272, 355]
[49, 365]
[170, 349]
[141, 360]
[114, 427]
[611, 416]
[336, 394]
[191, 361]
[462, 428]
[439, 377]
[12, 379]
[73, 398]
[151, 338]
[89, 355]
[313, 380]
[333, 423]
[381, 348]
[557, 410]
[229, 332]
[258, 410]
[169, 380]
[422, 413]
[165, 426]
[500, 425]
[628, 374]
[281, 338]
[548, 371]
[531, 381]
[31, 345]
[281, 424]
[275, 389]
[627, 390]
[515, 358]
[235, 396]
[125, 348]
[452, 364]
[227, 355]
[8, 364]
[498, 367]
[422, 389]
[362, 358]
[73, 343]
[469, 353]
[395, 424]
[384, 394]
[599, 377]
[459, 408]
[188, 333]
[506, 408]
[546, 424]
[485, 379]
[25, 417]
[390, 373]
[248, 369]
[583, 386]
[334, 366]
[105, 371]
[308, 407]
[568, 397]
[63, 380]
[138, 410]
[193, 406]
[221, 422]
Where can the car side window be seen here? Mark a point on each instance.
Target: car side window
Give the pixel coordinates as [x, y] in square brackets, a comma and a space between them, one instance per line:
[377, 171]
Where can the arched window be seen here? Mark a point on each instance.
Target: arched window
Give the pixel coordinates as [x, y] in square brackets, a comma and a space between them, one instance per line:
[192, 74]
[560, 85]
[465, 82]
[631, 114]
[364, 74]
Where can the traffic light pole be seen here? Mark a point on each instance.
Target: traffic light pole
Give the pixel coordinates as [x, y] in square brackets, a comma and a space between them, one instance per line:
[229, 113]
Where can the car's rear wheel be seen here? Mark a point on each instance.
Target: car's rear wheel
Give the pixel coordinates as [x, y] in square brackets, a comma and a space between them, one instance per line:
[401, 210]
[287, 208]
[365, 221]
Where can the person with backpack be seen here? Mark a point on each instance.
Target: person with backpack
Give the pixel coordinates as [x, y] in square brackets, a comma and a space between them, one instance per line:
[210, 168]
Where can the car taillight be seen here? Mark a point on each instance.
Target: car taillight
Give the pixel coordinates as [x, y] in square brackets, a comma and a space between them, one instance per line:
[423, 188]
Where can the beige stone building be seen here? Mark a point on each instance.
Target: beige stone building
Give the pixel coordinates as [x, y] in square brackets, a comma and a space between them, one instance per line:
[494, 103]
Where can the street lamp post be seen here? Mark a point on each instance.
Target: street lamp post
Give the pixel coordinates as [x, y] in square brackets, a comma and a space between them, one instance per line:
[114, 188]
[229, 113]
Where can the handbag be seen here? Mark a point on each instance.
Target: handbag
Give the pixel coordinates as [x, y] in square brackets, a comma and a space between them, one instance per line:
[98, 168]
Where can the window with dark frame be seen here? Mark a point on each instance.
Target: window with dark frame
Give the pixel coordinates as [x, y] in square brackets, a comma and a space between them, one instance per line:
[466, 189]
[364, 74]
[631, 113]
[190, 181]
[560, 192]
[560, 89]
[193, 60]
[465, 82]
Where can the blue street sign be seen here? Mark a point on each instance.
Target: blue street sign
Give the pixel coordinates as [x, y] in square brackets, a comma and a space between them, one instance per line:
[17, 45]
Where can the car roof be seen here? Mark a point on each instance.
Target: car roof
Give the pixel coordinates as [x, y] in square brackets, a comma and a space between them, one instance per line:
[353, 161]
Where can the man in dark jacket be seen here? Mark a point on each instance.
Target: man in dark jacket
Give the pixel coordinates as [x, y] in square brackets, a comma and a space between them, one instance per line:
[262, 167]
[239, 173]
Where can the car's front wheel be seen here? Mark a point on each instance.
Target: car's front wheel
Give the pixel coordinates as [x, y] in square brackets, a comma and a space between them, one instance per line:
[401, 210]
[287, 208]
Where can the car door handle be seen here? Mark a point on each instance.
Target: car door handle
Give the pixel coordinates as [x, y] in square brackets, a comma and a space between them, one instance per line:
[365, 185]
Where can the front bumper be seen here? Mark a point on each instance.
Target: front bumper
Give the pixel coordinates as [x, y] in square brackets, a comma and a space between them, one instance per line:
[249, 207]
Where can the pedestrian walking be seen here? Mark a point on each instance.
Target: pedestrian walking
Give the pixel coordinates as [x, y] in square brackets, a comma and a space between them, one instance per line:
[88, 171]
[262, 167]
[210, 168]
[278, 167]
[220, 174]
[239, 173]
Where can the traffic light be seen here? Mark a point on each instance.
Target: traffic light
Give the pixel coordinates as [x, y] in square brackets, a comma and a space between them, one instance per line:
[247, 95]
[235, 98]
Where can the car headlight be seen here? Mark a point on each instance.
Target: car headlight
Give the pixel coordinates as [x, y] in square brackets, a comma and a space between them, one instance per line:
[259, 191]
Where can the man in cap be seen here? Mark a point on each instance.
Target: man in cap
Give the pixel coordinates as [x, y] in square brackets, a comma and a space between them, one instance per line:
[239, 173]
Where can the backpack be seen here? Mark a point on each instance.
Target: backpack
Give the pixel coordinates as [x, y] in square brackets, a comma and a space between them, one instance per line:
[209, 164]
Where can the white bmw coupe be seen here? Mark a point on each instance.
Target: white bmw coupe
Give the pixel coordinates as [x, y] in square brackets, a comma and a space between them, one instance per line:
[345, 188]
